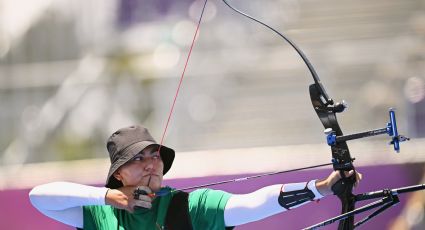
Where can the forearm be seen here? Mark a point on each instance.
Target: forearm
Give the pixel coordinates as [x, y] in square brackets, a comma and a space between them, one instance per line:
[245, 208]
[63, 201]
[64, 195]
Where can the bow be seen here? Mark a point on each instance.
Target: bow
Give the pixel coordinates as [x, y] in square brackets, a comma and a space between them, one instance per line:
[342, 161]
[326, 110]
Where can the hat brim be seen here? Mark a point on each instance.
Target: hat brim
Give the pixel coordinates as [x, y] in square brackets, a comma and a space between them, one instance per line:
[167, 156]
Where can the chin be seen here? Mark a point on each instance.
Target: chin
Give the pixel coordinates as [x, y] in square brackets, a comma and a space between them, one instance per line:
[155, 187]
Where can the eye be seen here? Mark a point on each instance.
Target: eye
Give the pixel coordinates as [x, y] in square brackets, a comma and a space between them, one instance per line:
[138, 158]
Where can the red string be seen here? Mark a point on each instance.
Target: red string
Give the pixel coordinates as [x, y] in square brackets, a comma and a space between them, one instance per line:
[182, 76]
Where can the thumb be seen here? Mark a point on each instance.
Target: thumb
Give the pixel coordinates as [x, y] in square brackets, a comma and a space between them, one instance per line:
[349, 173]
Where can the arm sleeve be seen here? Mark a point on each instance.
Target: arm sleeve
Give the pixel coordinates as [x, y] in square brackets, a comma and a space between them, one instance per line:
[245, 208]
[63, 201]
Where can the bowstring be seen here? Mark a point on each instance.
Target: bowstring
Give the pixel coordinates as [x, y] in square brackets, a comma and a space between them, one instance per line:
[182, 76]
[180, 84]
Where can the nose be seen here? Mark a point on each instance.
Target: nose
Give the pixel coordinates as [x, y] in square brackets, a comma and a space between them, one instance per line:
[150, 162]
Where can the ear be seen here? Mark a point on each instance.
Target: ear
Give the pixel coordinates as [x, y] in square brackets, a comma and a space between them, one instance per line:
[117, 175]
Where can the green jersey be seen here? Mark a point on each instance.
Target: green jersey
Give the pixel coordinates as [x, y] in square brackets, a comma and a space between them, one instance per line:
[206, 210]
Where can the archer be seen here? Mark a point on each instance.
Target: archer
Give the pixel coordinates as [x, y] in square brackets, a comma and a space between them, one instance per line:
[135, 198]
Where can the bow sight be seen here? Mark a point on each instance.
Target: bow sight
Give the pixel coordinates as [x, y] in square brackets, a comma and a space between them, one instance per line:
[390, 129]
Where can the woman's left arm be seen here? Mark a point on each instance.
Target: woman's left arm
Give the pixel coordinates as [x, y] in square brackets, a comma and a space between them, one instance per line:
[273, 199]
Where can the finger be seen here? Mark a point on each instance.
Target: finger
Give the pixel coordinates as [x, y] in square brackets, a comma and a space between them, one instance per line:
[143, 204]
[146, 198]
[145, 188]
[142, 191]
[349, 173]
[344, 174]
[360, 176]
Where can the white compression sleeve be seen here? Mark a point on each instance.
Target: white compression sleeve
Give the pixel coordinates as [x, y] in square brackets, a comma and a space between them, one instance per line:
[245, 208]
[63, 201]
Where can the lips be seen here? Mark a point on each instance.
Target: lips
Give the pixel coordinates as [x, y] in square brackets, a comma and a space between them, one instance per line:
[149, 175]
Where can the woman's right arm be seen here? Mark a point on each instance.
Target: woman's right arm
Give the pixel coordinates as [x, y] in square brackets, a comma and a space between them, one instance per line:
[63, 201]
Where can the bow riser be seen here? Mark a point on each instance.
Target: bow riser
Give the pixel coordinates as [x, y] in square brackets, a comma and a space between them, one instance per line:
[341, 157]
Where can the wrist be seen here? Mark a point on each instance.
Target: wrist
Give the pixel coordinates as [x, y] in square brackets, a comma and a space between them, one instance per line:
[323, 187]
[110, 196]
[312, 186]
[106, 196]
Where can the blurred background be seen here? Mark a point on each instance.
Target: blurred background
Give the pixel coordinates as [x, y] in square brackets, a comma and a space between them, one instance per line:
[73, 72]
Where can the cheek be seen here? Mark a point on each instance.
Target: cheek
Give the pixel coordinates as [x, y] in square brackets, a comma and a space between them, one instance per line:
[161, 165]
[131, 172]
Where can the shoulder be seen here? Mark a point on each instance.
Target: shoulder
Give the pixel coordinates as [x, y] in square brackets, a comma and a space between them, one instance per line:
[208, 193]
[206, 208]
[208, 197]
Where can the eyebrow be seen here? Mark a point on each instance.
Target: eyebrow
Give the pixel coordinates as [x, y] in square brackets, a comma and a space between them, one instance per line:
[148, 152]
